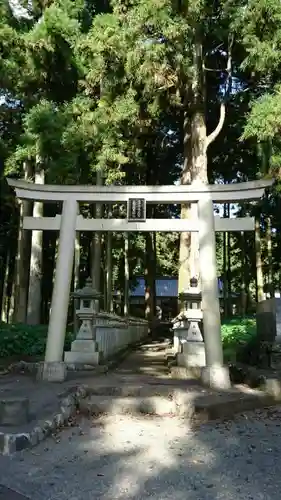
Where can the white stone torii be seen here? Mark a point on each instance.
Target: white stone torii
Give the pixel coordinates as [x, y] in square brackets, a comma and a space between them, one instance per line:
[215, 374]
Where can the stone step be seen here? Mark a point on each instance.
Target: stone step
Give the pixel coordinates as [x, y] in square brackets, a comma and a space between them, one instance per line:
[14, 411]
[144, 390]
[149, 405]
[8, 494]
[192, 405]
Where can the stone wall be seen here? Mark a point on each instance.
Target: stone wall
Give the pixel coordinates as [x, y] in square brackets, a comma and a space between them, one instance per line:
[102, 336]
[114, 333]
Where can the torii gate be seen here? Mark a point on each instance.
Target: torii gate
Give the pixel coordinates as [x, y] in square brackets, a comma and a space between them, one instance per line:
[136, 197]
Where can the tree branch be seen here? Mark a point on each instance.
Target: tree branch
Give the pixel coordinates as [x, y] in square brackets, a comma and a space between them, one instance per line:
[211, 137]
[213, 70]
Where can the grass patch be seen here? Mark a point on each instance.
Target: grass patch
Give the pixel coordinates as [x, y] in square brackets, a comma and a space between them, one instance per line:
[22, 341]
[237, 335]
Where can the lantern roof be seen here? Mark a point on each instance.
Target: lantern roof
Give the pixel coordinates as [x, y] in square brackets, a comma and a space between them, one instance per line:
[88, 292]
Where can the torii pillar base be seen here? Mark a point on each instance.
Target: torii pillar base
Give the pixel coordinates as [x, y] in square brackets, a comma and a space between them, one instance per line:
[216, 377]
[54, 371]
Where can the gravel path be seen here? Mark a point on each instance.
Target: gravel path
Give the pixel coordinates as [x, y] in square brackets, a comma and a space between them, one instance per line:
[130, 458]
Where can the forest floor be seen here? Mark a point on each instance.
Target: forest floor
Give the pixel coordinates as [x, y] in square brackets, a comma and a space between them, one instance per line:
[134, 457]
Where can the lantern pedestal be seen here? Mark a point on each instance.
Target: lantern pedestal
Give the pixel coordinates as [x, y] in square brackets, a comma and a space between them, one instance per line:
[84, 349]
[52, 371]
[192, 355]
[82, 357]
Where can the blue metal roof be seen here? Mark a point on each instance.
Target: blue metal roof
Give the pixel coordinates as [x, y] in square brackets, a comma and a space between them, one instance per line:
[165, 287]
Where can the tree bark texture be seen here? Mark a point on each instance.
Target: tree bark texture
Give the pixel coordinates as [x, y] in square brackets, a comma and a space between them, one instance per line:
[195, 145]
[35, 276]
[23, 257]
[259, 271]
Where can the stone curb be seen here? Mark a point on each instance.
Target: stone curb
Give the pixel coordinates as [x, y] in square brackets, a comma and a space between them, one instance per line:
[10, 443]
[22, 367]
[110, 364]
[13, 442]
[201, 410]
[220, 409]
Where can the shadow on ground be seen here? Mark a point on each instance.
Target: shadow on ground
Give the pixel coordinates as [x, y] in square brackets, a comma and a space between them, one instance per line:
[138, 457]
[161, 458]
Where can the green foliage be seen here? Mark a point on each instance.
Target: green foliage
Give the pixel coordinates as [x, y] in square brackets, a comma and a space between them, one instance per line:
[167, 246]
[264, 121]
[258, 24]
[237, 334]
[25, 340]
[18, 340]
[259, 31]
[98, 86]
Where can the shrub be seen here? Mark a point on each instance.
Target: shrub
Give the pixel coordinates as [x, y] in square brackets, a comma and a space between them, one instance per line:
[238, 335]
[25, 340]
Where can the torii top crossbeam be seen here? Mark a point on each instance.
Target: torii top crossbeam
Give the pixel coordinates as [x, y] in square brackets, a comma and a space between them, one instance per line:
[220, 193]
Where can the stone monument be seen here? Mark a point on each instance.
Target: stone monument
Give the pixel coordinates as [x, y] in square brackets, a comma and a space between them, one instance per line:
[268, 317]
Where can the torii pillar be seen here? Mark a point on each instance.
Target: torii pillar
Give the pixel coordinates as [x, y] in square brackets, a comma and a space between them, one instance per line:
[54, 369]
[214, 374]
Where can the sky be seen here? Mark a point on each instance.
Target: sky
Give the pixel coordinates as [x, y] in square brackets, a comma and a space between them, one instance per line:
[18, 10]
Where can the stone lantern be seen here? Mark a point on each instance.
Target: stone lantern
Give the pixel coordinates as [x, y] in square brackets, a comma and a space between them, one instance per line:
[190, 347]
[84, 349]
[192, 312]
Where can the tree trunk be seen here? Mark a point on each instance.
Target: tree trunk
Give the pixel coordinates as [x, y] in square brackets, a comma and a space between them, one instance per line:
[12, 242]
[229, 291]
[269, 257]
[225, 273]
[49, 259]
[4, 260]
[35, 278]
[259, 273]
[150, 292]
[195, 145]
[126, 275]
[96, 243]
[104, 283]
[76, 281]
[8, 288]
[194, 171]
[243, 275]
[23, 257]
[4, 306]
[150, 251]
[109, 270]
